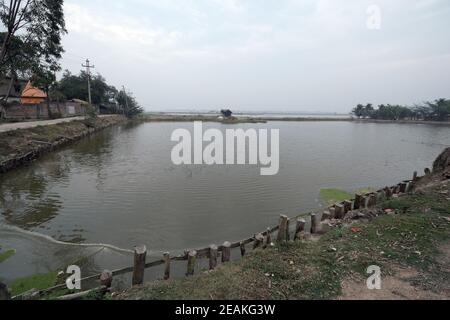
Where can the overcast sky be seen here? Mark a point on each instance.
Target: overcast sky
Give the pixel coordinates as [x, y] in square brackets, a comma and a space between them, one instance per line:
[279, 55]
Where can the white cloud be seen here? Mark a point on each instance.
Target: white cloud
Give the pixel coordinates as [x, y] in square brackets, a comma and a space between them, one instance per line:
[248, 44]
[233, 6]
[127, 32]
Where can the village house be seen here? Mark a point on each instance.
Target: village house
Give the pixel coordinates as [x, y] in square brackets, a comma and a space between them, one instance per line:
[32, 96]
[22, 101]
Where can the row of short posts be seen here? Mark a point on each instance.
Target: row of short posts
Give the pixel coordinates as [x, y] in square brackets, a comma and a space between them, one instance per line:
[284, 234]
[264, 240]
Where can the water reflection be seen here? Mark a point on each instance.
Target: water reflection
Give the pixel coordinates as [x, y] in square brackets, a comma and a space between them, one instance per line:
[26, 203]
[30, 199]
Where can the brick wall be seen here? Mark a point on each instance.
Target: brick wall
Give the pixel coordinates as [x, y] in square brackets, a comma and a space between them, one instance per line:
[19, 112]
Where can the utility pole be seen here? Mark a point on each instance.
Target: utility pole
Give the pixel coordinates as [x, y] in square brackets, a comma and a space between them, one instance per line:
[126, 99]
[88, 72]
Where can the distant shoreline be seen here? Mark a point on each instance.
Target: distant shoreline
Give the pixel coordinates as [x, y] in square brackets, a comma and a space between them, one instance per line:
[162, 117]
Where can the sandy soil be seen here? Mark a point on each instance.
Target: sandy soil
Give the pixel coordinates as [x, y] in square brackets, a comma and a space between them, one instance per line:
[398, 286]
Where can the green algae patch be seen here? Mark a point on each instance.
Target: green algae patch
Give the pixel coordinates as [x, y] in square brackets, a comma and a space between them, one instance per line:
[365, 191]
[334, 195]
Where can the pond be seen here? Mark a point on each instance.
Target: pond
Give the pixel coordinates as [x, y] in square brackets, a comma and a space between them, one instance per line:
[120, 187]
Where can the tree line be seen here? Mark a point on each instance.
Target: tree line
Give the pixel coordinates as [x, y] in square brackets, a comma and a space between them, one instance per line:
[72, 86]
[31, 48]
[438, 110]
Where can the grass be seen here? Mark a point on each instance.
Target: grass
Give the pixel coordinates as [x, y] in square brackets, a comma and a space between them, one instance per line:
[45, 281]
[6, 255]
[333, 196]
[39, 282]
[316, 269]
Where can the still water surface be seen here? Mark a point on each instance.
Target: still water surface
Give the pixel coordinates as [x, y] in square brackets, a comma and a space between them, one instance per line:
[120, 187]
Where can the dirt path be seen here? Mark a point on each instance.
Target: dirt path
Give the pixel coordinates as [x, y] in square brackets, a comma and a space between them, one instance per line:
[32, 124]
[394, 287]
[404, 283]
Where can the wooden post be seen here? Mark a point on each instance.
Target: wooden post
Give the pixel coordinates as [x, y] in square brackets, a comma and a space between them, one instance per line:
[369, 201]
[364, 202]
[326, 215]
[388, 193]
[268, 239]
[288, 227]
[347, 206]
[339, 211]
[213, 252]
[403, 187]
[226, 252]
[192, 258]
[4, 292]
[166, 266]
[314, 227]
[325, 227]
[299, 228]
[243, 250]
[140, 253]
[282, 232]
[411, 187]
[332, 212]
[259, 240]
[358, 201]
[106, 279]
[372, 201]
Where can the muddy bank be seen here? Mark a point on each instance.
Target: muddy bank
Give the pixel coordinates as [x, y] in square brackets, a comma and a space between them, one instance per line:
[20, 147]
[202, 118]
[161, 117]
